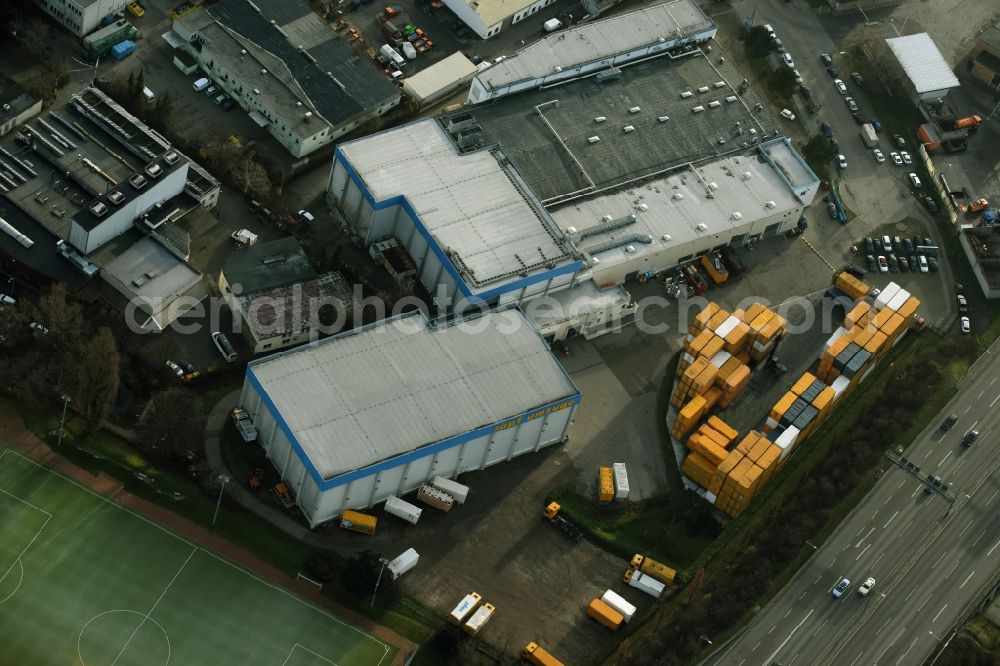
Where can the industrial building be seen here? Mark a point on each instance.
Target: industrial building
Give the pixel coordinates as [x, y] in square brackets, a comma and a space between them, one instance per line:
[600, 46]
[95, 177]
[287, 68]
[487, 18]
[80, 17]
[928, 75]
[587, 182]
[443, 78]
[16, 105]
[277, 296]
[378, 411]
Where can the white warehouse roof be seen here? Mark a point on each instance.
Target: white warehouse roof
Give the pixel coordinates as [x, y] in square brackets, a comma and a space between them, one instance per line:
[469, 203]
[575, 46]
[399, 384]
[923, 62]
[443, 74]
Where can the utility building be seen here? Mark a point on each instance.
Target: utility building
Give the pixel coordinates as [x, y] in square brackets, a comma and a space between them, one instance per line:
[380, 410]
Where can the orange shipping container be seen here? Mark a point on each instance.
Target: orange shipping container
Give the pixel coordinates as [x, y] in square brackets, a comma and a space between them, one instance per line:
[824, 399]
[782, 405]
[702, 318]
[705, 378]
[753, 312]
[694, 410]
[711, 397]
[803, 382]
[769, 460]
[723, 427]
[909, 308]
[856, 313]
[717, 318]
[738, 379]
[713, 435]
[876, 343]
[714, 453]
[699, 342]
[713, 346]
[759, 447]
[760, 321]
[605, 484]
[882, 317]
[737, 337]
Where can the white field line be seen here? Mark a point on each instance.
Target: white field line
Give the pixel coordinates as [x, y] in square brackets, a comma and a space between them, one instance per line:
[299, 646]
[48, 517]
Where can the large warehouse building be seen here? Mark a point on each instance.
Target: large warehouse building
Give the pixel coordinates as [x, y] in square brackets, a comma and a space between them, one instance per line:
[380, 410]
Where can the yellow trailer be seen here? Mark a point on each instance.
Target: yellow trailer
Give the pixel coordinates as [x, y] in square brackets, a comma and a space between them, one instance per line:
[359, 522]
[533, 653]
[650, 567]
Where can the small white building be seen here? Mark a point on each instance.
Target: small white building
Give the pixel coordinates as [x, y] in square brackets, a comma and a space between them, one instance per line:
[378, 411]
[80, 17]
[929, 74]
[440, 80]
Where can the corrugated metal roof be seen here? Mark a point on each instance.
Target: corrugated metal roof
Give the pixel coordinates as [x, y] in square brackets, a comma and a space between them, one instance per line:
[374, 393]
[468, 202]
[923, 62]
[440, 75]
[593, 41]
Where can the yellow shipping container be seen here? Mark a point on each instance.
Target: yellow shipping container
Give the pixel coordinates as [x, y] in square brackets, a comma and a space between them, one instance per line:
[738, 472]
[769, 460]
[824, 399]
[856, 313]
[712, 452]
[713, 346]
[863, 334]
[738, 379]
[694, 410]
[358, 522]
[909, 308]
[851, 285]
[782, 405]
[605, 484]
[760, 321]
[697, 464]
[702, 318]
[893, 327]
[882, 317]
[759, 447]
[877, 342]
[746, 444]
[717, 318]
[803, 382]
[705, 378]
[723, 427]
[737, 338]
[711, 397]
[714, 435]
[729, 367]
[696, 345]
[753, 312]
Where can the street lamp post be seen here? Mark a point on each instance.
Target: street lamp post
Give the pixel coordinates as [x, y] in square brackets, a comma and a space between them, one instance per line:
[378, 580]
[705, 638]
[809, 543]
[218, 503]
[62, 422]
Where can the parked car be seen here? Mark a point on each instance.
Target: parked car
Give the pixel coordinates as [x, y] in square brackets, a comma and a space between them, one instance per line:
[869, 244]
[839, 85]
[778, 46]
[851, 104]
[883, 265]
[840, 588]
[825, 59]
[887, 243]
[833, 72]
[907, 245]
[135, 9]
[931, 206]
[872, 264]
[825, 128]
[201, 84]
[866, 587]
[842, 161]
[963, 305]
[906, 157]
[798, 77]
[893, 263]
[219, 100]
[914, 266]
[922, 263]
[857, 78]
[174, 369]
[966, 326]
[806, 93]
[876, 125]
[949, 422]
[896, 159]
[900, 141]
[770, 30]
[787, 57]
[787, 115]
[211, 90]
[904, 265]
[831, 208]
[932, 264]
[879, 157]
[914, 180]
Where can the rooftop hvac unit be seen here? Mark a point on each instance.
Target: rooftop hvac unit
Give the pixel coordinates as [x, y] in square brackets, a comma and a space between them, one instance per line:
[747, 175]
[752, 131]
[606, 218]
[635, 109]
[154, 170]
[263, 71]
[737, 215]
[678, 196]
[719, 84]
[243, 51]
[714, 104]
[571, 230]
[665, 238]
[702, 227]
[171, 157]
[770, 204]
[256, 91]
[150, 274]
[138, 181]
[698, 109]
[722, 140]
[99, 209]
[732, 98]
[599, 119]
[628, 128]
[609, 74]
[593, 139]
[703, 89]
[642, 207]
[686, 94]
[630, 248]
[713, 186]
[116, 197]
[138, 282]
[307, 115]
[663, 119]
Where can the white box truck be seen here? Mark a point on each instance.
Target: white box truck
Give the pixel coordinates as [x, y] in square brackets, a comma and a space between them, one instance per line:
[392, 55]
[647, 584]
[464, 608]
[479, 619]
[552, 25]
[403, 509]
[621, 481]
[617, 602]
[406, 561]
[869, 136]
[453, 488]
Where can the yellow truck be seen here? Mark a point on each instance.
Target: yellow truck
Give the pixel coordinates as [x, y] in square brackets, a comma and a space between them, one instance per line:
[359, 522]
[650, 567]
[605, 484]
[533, 653]
[604, 614]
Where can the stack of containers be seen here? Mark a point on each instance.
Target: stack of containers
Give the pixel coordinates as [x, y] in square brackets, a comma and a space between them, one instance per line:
[743, 473]
[766, 328]
[799, 412]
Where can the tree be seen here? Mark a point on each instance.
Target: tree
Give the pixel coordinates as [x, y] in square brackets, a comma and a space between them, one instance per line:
[757, 42]
[819, 150]
[175, 424]
[162, 113]
[783, 81]
[98, 378]
[361, 573]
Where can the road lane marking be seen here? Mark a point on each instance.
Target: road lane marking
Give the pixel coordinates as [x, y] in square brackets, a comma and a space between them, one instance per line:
[907, 526]
[862, 552]
[916, 490]
[803, 594]
[860, 654]
[939, 613]
[910, 594]
[990, 551]
[891, 643]
[878, 558]
[973, 426]
[980, 394]
[967, 409]
[772, 629]
[858, 544]
[754, 648]
[903, 656]
[960, 463]
[921, 607]
[952, 570]
[785, 642]
[900, 484]
[786, 613]
[834, 560]
[818, 579]
[990, 500]
[966, 579]
[945, 458]
[980, 537]
[994, 401]
[820, 628]
[887, 500]
[890, 520]
[884, 625]
[874, 514]
[934, 566]
[965, 529]
[994, 379]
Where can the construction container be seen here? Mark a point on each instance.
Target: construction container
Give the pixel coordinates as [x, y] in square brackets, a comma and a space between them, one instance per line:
[453, 488]
[479, 619]
[403, 509]
[753, 312]
[618, 603]
[465, 608]
[714, 453]
[433, 497]
[358, 522]
[647, 584]
[720, 425]
[651, 567]
[400, 565]
[605, 614]
[699, 469]
[702, 318]
[621, 481]
[533, 653]
[605, 484]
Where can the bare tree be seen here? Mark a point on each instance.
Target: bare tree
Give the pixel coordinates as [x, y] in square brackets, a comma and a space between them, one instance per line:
[98, 377]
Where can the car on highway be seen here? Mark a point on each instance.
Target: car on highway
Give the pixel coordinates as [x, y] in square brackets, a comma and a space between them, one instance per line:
[949, 422]
[883, 265]
[879, 157]
[778, 46]
[887, 243]
[866, 587]
[839, 85]
[825, 59]
[970, 437]
[872, 264]
[932, 481]
[841, 587]
[869, 244]
[787, 115]
[787, 57]
[896, 159]
[851, 104]
[906, 157]
[825, 128]
[966, 326]
[842, 161]
[914, 180]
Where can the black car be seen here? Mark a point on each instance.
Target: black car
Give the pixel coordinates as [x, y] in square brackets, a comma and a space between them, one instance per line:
[835, 144]
[918, 240]
[869, 245]
[893, 263]
[832, 71]
[907, 246]
[904, 265]
[878, 245]
[803, 223]
[932, 264]
[806, 93]
[825, 59]
[914, 264]
[970, 437]
[931, 206]
[227, 104]
[858, 118]
[928, 241]
[855, 271]
[872, 264]
[826, 129]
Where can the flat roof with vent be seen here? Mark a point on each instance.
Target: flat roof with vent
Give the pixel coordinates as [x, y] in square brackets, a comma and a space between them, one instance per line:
[479, 211]
[265, 266]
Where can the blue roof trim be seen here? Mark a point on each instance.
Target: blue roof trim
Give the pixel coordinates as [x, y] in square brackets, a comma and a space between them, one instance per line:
[457, 440]
[401, 200]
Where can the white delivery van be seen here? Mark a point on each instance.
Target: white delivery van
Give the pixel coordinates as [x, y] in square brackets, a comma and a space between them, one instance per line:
[148, 95]
[201, 84]
[552, 25]
[392, 56]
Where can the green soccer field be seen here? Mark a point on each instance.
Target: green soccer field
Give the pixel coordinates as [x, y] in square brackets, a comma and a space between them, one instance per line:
[85, 581]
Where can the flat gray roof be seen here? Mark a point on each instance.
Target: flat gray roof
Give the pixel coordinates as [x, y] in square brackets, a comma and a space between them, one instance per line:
[923, 63]
[675, 209]
[268, 265]
[546, 132]
[292, 308]
[492, 229]
[598, 40]
[389, 388]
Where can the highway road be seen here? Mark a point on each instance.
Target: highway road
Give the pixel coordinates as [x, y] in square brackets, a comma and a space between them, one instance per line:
[931, 558]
